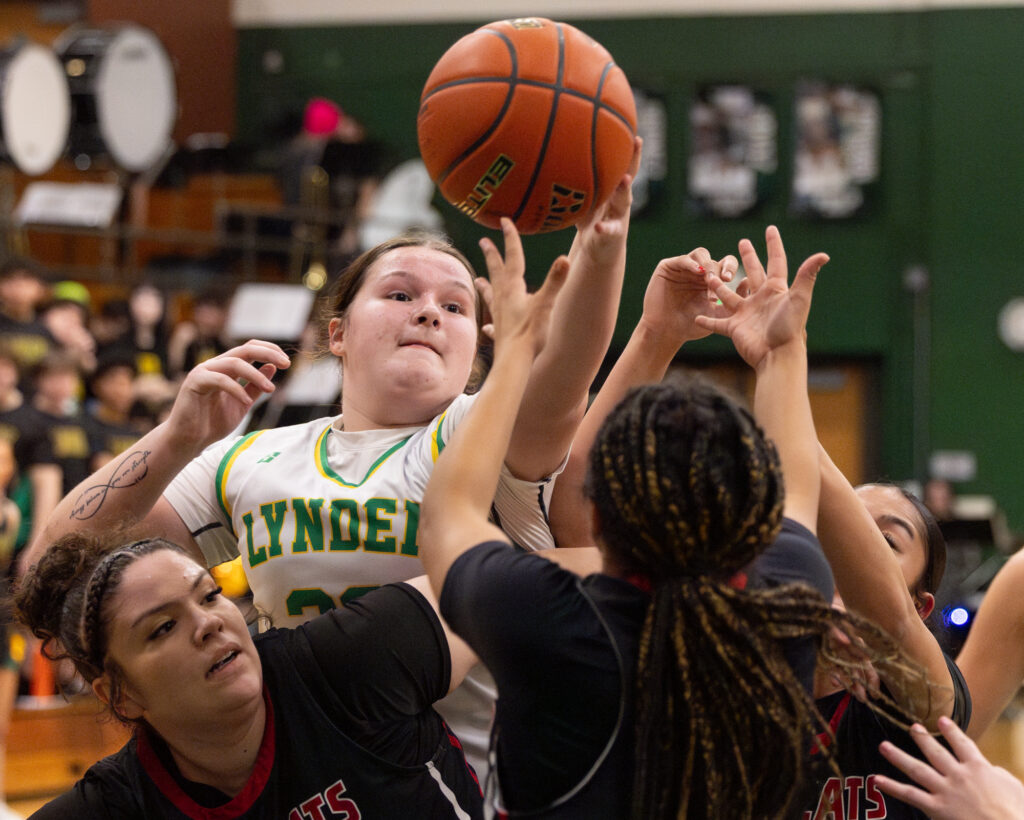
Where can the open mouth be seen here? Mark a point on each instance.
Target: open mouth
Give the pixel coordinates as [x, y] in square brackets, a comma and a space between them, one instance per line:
[223, 662]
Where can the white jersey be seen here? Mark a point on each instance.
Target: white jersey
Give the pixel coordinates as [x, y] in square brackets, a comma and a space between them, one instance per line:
[319, 515]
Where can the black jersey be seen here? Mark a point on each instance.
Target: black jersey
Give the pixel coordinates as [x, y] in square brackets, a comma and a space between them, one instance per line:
[22, 427]
[350, 732]
[858, 731]
[69, 441]
[112, 439]
[563, 652]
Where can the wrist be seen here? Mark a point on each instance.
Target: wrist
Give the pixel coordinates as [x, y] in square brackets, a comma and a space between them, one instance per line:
[659, 339]
[793, 351]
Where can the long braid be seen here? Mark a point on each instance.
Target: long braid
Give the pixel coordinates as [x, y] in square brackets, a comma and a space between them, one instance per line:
[689, 492]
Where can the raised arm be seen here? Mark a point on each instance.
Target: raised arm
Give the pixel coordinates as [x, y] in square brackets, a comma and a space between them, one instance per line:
[457, 501]
[128, 491]
[871, 583]
[768, 328]
[581, 330]
[992, 660]
[675, 296]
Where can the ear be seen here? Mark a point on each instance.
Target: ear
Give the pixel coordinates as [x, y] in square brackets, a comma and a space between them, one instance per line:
[128, 708]
[336, 336]
[924, 603]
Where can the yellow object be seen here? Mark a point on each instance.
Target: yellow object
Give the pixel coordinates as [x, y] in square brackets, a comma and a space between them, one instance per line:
[231, 578]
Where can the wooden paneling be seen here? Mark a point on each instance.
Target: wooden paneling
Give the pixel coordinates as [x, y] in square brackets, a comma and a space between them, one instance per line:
[50, 747]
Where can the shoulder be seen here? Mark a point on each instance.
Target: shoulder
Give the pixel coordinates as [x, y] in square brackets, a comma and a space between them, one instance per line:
[110, 789]
[393, 616]
[795, 556]
[496, 578]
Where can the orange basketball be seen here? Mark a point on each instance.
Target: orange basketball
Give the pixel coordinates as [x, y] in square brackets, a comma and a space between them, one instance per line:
[528, 119]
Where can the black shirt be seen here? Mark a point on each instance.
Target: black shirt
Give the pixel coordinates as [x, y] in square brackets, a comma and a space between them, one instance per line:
[350, 728]
[563, 653]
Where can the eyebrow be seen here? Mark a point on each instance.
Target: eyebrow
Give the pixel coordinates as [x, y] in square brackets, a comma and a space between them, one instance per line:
[450, 281]
[155, 609]
[896, 521]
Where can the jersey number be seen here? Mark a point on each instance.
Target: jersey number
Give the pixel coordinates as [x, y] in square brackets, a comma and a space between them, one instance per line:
[299, 600]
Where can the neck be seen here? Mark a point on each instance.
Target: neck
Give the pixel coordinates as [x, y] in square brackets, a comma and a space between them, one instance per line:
[355, 420]
[108, 414]
[48, 405]
[219, 753]
[11, 400]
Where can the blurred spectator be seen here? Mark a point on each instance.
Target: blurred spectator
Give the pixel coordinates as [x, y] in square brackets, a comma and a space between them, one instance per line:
[111, 326]
[193, 342]
[38, 488]
[12, 644]
[57, 416]
[22, 291]
[147, 341]
[939, 497]
[148, 331]
[332, 156]
[66, 317]
[112, 386]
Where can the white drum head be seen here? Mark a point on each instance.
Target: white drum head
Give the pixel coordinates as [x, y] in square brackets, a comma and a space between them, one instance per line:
[136, 102]
[35, 109]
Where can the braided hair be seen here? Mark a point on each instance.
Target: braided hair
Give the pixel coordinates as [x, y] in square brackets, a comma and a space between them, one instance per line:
[62, 601]
[688, 492]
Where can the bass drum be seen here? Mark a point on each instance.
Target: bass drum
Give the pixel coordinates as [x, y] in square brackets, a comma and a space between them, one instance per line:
[123, 95]
[35, 107]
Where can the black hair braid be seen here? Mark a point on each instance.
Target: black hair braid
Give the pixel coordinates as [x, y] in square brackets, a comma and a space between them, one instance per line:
[689, 492]
[61, 599]
[685, 483]
[49, 598]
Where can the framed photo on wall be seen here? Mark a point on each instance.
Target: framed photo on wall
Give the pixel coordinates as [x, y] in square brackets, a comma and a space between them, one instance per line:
[838, 130]
[652, 125]
[733, 150]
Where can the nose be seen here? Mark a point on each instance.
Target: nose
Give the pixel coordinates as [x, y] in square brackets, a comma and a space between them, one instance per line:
[208, 623]
[428, 314]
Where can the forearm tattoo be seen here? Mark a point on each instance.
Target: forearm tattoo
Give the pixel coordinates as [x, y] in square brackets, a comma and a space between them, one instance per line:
[128, 473]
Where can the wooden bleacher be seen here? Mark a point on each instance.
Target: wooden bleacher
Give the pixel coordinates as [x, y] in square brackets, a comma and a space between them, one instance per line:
[53, 741]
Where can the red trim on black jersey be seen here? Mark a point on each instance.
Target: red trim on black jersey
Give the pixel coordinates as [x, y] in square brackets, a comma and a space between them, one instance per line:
[235, 807]
[824, 739]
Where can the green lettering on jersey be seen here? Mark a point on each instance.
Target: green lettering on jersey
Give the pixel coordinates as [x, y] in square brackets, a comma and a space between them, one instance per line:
[375, 525]
[309, 526]
[300, 599]
[256, 556]
[340, 506]
[412, 525]
[273, 515]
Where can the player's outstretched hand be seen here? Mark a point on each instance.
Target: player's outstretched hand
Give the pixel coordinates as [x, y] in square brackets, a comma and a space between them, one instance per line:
[958, 786]
[216, 394]
[515, 313]
[772, 313]
[678, 293]
[603, 233]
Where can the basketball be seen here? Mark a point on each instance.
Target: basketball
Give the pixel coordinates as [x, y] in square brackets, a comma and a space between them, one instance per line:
[529, 119]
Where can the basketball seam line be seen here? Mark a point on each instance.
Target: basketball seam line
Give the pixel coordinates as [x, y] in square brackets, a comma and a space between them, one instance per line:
[593, 143]
[512, 78]
[560, 75]
[514, 82]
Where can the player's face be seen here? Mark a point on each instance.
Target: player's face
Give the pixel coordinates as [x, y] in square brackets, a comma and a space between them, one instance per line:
[408, 339]
[184, 649]
[901, 525]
